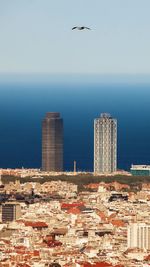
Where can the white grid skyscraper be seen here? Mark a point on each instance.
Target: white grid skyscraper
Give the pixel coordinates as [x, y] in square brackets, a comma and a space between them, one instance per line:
[139, 236]
[105, 144]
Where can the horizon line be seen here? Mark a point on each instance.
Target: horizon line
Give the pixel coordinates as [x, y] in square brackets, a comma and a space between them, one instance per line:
[75, 73]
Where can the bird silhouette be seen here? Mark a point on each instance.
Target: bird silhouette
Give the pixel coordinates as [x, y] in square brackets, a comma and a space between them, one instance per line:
[81, 28]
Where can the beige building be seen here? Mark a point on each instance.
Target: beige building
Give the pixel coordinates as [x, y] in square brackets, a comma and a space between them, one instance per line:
[139, 236]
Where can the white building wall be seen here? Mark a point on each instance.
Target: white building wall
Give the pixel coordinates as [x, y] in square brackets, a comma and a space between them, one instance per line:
[139, 236]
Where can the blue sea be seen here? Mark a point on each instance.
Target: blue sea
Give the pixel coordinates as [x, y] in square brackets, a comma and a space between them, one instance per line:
[24, 102]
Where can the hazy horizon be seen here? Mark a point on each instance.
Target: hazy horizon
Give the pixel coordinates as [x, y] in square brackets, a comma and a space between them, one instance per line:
[74, 78]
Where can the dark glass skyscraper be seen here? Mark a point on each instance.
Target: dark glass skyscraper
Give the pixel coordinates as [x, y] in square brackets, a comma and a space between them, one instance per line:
[52, 142]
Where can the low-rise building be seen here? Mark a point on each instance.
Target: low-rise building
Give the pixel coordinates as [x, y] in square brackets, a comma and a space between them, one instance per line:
[140, 170]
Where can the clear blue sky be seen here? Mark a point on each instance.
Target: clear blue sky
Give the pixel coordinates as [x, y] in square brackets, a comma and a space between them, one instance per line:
[36, 36]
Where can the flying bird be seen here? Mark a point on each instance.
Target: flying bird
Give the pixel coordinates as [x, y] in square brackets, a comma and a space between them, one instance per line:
[80, 28]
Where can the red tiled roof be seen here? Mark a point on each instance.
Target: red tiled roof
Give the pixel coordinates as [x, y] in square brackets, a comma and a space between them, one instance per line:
[36, 253]
[20, 247]
[113, 215]
[74, 211]
[35, 224]
[102, 215]
[118, 223]
[23, 265]
[147, 258]
[71, 205]
[53, 243]
[100, 264]
[92, 186]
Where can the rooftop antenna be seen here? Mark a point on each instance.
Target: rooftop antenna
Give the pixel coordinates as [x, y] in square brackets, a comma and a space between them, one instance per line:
[75, 166]
[1, 178]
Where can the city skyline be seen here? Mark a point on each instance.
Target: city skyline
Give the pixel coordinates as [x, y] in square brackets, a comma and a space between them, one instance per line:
[75, 133]
[105, 143]
[75, 158]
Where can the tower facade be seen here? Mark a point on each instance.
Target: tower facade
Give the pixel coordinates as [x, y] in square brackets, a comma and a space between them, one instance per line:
[52, 142]
[105, 144]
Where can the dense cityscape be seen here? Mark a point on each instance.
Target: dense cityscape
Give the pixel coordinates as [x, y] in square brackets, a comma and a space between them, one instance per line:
[54, 218]
[74, 179]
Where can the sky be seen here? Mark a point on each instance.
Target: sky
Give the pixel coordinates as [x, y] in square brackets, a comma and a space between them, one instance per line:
[36, 36]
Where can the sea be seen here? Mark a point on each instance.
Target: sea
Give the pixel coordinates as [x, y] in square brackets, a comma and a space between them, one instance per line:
[24, 102]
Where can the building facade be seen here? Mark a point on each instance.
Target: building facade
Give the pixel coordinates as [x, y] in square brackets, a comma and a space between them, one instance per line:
[105, 144]
[52, 142]
[10, 211]
[140, 170]
[139, 236]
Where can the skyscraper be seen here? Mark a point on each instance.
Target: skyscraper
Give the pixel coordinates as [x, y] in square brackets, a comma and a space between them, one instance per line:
[52, 142]
[105, 144]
